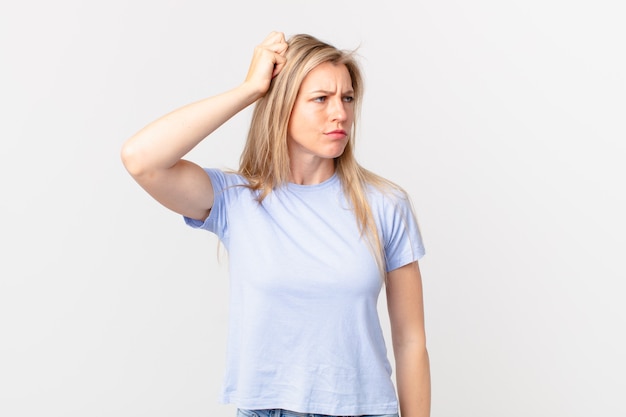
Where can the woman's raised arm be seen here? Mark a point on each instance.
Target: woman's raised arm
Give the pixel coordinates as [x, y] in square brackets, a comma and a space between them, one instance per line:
[153, 156]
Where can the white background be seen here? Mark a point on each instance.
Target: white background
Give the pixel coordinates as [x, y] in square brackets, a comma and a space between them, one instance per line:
[504, 120]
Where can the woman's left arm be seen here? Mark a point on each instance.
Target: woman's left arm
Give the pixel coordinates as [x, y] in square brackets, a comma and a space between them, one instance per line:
[406, 312]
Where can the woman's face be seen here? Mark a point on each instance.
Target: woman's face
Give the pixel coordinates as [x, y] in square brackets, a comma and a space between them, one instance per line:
[322, 115]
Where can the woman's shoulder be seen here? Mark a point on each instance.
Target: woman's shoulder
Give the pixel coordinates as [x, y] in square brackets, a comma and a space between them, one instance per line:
[383, 191]
[224, 178]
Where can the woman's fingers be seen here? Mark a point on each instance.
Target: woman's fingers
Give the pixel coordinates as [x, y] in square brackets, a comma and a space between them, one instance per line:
[268, 60]
[274, 38]
[279, 64]
[278, 45]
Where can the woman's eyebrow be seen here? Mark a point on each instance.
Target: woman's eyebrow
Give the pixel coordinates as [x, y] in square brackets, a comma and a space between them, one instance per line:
[327, 92]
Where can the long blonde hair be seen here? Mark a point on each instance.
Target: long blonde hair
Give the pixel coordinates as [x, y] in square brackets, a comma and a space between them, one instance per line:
[265, 158]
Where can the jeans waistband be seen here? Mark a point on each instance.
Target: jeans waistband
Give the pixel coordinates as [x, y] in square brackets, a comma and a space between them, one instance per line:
[278, 412]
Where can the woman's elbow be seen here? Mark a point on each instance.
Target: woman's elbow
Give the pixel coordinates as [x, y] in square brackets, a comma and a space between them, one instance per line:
[132, 160]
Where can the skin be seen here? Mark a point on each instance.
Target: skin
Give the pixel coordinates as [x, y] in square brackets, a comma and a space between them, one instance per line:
[322, 115]
[406, 313]
[323, 109]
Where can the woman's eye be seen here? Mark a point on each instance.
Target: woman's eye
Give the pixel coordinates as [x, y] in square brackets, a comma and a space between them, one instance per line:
[320, 99]
[348, 99]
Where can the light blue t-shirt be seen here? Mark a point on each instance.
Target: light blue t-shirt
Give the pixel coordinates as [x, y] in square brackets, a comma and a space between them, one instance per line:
[304, 332]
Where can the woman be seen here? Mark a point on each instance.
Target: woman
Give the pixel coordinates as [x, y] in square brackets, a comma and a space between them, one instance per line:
[312, 237]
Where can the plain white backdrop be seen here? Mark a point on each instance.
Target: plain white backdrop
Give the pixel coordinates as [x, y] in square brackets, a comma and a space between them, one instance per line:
[504, 120]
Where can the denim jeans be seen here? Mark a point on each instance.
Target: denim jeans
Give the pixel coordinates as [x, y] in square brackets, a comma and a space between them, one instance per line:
[277, 412]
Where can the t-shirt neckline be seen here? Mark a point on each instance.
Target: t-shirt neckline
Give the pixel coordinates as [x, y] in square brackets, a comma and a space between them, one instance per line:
[314, 187]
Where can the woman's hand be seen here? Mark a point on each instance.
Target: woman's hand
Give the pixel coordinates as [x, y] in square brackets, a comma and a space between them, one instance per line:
[267, 62]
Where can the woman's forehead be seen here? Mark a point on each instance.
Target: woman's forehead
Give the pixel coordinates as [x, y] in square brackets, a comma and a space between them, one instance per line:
[327, 77]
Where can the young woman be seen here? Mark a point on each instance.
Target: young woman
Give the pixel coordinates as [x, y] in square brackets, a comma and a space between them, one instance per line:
[312, 238]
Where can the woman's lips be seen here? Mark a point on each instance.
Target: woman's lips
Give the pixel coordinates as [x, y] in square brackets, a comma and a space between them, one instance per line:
[337, 134]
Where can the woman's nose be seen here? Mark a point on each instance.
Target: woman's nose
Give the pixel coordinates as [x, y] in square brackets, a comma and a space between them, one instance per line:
[338, 110]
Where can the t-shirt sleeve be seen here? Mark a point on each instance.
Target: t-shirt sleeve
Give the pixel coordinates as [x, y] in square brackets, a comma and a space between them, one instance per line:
[402, 238]
[216, 222]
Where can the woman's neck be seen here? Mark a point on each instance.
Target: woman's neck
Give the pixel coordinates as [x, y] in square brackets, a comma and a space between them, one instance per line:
[312, 172]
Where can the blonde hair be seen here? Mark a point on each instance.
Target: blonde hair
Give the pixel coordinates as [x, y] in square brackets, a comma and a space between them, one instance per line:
[265, 158]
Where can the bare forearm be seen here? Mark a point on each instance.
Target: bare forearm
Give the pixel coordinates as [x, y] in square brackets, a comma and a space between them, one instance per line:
[413, 381]
[162, 143]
